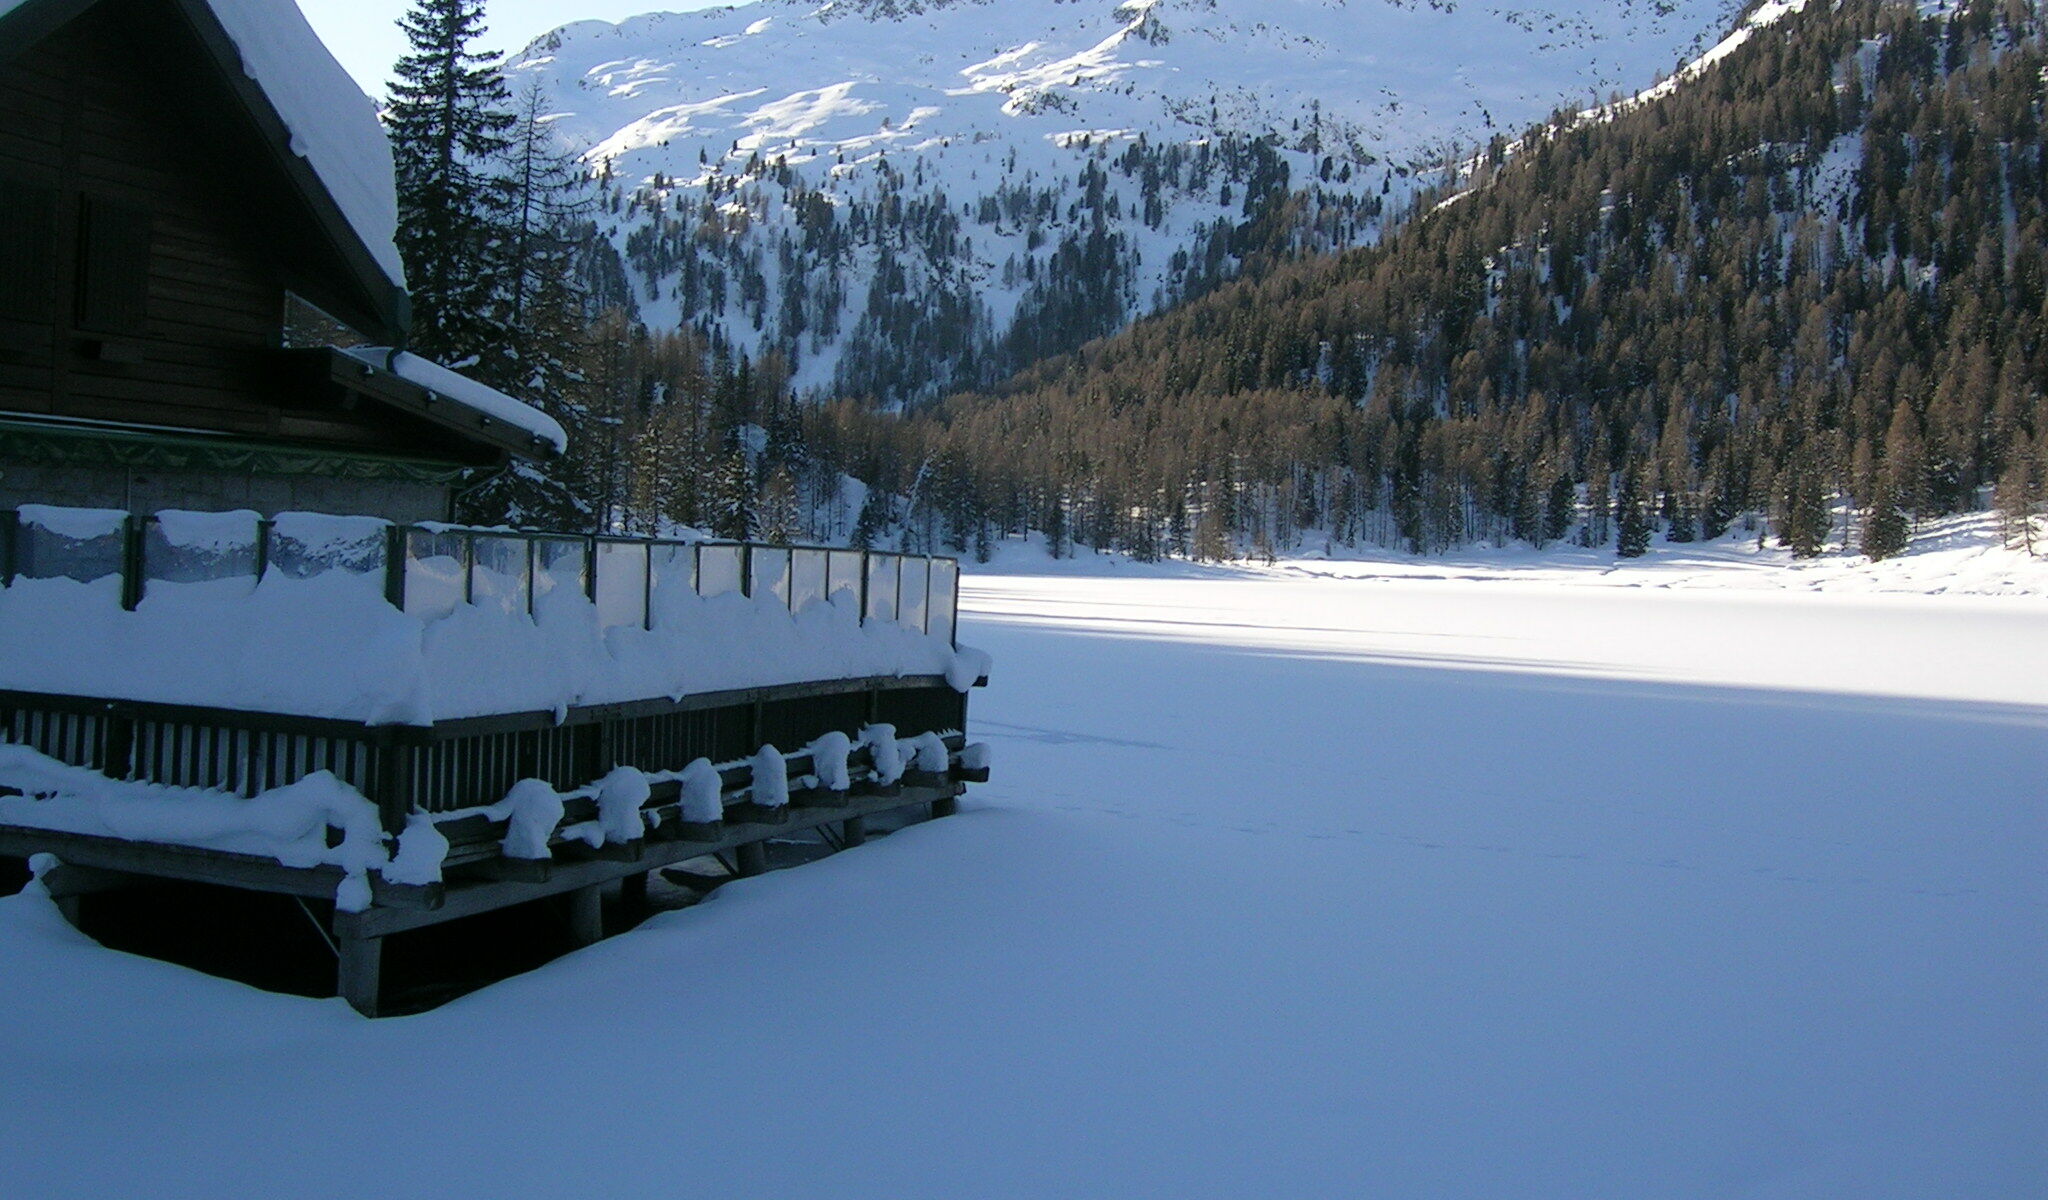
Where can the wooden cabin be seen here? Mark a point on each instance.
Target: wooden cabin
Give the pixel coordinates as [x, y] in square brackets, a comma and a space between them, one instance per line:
[196, 221]
[186, 226]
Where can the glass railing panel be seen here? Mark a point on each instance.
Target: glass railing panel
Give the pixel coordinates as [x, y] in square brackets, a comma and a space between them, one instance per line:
[498, 573]
[622, 583]
[883, 572]
[845, 576]
[770, 566]
[675, 577]
[435, 563]
[559, 568]
[912, 591]
[943, 600]
[808, 571]
[84, 544]
[718, 570]
[317, 546]
[200, 553]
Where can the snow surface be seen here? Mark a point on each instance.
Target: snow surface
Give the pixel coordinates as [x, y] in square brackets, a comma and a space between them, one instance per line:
[76, 524]
[1285, 887]
[464, 391]
[329, 646]
[1960, 555]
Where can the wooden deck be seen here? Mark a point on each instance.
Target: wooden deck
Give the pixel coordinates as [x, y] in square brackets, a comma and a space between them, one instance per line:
[454, 769]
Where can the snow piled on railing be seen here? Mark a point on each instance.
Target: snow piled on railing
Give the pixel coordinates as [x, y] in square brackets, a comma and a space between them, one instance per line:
[326, 646]
[290, 824]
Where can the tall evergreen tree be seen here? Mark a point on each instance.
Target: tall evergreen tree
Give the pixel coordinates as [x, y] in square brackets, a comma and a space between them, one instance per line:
[1803, 521]
[2019, 495]
[1885, 530]
[449, 125]
[1632, 516]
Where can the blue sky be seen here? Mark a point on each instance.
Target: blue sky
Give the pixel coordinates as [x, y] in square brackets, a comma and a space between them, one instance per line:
[364, 34]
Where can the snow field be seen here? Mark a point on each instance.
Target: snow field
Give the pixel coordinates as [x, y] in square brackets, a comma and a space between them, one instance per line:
[1284, 887]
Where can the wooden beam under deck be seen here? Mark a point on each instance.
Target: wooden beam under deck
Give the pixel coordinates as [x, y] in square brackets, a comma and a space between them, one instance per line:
[467, 899]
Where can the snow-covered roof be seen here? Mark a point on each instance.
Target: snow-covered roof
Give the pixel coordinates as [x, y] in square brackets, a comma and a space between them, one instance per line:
[461, 389]
[333, 125]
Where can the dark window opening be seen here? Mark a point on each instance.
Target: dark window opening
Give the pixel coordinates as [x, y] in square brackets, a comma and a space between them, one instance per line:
[113, 265]
[28, 251]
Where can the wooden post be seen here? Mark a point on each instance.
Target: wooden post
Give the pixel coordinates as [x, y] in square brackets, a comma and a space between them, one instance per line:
[394, 779]
[394, 566]
[359, 967]
[586, 914]
[751, 857]
[263, 527]
[10, 526]
[945, 806]
[131, 561]
[853, 831]
[633, 895]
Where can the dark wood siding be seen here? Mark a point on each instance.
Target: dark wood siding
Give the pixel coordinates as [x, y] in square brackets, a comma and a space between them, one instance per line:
[162, 234]
[28, 252]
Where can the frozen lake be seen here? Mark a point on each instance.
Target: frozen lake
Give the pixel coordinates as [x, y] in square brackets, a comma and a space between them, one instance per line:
[1284, 887]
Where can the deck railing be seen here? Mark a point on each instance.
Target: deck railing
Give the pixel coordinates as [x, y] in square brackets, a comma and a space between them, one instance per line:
[427, 570]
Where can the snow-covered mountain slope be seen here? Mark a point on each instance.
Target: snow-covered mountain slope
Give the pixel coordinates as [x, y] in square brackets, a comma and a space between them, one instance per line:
[905, 195]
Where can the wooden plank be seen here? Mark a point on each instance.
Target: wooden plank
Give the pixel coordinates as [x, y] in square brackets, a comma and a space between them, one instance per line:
[74, 879]
[735, 697]
[190, 863]
[513, 870]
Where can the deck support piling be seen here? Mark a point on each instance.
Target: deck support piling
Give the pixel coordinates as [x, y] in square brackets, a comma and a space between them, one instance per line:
[751, 858]
[359, 968]
[853, 831]
[586, 914]
[633, 896]
[945, 806]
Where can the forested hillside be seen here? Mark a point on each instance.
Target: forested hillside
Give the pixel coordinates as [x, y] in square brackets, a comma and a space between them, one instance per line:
[895, 201]
[1817, 271]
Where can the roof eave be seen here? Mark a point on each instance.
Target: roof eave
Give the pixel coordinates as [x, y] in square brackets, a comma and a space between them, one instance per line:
[389, 389]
